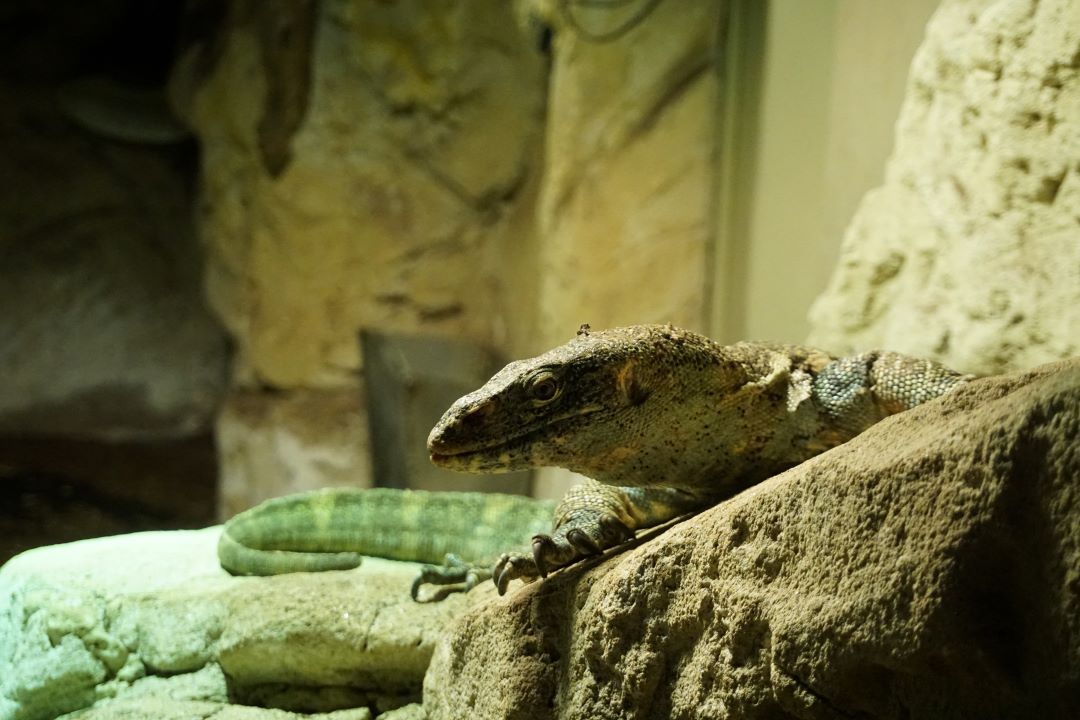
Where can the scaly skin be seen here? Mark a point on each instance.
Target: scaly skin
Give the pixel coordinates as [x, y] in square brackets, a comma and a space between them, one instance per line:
[665, 422]
[333, 529]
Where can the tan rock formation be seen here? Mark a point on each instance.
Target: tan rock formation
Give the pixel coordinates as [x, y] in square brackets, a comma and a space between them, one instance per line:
[970, 251]
[365, 166]
[926, 569]
[626, 204]
[375, 201]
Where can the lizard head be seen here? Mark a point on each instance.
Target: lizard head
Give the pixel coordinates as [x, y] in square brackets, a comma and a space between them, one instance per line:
[581, 405]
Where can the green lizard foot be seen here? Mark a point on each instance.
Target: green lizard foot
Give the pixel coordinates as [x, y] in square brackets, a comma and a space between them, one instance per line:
[454, 575]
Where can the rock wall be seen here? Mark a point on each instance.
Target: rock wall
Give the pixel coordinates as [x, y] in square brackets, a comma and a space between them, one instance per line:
[365, 165]
[373, 210]
[626, 205]
[970, 250]
[103, 330]
[469, 170]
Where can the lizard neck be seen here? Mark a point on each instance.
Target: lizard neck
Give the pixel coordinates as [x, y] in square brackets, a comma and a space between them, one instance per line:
[711, 424]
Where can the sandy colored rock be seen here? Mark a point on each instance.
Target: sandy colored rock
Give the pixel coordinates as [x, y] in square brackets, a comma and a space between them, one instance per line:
[367, 206]
[364, 633]
[970, 250]
[167, 707]
[627, 197]
[926, 569]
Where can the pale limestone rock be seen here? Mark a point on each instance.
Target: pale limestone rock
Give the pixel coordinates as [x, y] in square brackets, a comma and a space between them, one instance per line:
[970, 251]
[364, 633]
[73, 618]
[167, 707]
[926, 569]
[271, 444]
[626, 203]
[148, 625]
[416, 134]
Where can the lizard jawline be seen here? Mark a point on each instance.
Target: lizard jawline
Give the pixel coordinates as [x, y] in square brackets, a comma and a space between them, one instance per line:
[500, 455]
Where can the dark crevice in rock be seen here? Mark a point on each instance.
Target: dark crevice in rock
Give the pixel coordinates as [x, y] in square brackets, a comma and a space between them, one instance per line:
[287, 38]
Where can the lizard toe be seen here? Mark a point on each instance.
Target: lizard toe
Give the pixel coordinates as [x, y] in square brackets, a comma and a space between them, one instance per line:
[510, 567]
[614, 531]
[583, 542]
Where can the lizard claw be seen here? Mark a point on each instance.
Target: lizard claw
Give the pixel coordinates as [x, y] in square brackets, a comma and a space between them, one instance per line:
[542, 545]
[455, 575]
[562, 548]
[511, 566]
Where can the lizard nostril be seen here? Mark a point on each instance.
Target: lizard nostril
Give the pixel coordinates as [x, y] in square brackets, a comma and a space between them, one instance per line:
[478, 413]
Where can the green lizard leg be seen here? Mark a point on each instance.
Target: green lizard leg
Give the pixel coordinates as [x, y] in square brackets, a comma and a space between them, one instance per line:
[454, 575]
[591, 518]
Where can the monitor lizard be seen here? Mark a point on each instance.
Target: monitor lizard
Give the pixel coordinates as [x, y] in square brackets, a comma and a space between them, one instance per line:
[664, 422]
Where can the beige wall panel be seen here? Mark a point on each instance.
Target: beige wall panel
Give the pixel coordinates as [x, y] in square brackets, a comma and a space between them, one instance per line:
[833, 79]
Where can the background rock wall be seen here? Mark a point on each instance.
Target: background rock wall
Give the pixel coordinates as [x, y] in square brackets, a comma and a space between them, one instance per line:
[386, 199]
[461, 170]
[970, 250]
[372, 211]
[626, 202]
[103, 331]
[112, 365]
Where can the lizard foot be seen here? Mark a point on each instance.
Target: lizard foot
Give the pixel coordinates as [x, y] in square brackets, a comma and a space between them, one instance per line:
[511, 566]
[569, 543]
[454, 575]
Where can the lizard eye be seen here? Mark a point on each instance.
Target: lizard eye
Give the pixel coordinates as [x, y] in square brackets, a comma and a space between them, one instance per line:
[544, 387]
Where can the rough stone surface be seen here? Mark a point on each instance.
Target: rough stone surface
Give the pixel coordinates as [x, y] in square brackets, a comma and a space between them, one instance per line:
[369, 208]
[970, 251]
[926, 569]
[627, 196]
[130, 625]
[364, 166]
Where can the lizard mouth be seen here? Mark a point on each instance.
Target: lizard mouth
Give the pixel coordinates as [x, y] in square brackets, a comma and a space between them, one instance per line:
[500, 454]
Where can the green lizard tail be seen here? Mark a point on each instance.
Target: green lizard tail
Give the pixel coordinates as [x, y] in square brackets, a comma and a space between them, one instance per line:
[332, 529]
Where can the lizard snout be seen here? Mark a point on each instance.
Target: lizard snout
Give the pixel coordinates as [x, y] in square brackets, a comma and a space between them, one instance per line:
[460, 429]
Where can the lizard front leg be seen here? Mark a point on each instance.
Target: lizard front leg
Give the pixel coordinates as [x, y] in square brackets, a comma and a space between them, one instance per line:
[591, 518]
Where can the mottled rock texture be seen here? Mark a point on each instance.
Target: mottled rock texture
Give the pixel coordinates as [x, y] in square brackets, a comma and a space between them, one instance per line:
[377, 199]
[970, 250]
[132, 625]
[926, 569]
[364, 166]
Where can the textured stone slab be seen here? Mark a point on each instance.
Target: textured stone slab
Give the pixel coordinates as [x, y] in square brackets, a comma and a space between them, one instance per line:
[970, 250]
[127, 623]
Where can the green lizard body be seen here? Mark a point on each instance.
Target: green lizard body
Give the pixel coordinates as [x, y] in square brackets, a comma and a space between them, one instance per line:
[333, 529]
